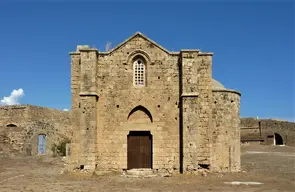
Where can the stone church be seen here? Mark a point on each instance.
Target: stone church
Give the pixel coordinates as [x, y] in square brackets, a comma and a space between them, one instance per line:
[142, 106]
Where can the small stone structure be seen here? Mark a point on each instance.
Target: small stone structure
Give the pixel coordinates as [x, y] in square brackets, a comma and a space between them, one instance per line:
[21, 125]
[142, 106]
[268, 131]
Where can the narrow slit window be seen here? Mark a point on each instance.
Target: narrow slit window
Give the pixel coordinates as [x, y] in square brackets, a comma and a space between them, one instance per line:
[139, 72]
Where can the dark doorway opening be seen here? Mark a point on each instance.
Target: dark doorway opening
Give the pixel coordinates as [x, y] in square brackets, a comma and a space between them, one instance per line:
[278, 139]
[139, 149]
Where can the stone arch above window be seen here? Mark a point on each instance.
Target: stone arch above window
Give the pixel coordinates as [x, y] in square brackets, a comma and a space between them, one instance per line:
[11, 125]
[140, 113]
[136, 53]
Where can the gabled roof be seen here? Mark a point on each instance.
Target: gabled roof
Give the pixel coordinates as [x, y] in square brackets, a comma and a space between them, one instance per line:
[138, 34]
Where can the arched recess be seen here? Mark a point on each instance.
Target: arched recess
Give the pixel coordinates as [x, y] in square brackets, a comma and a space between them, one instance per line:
[141, 109]
[278, 139]
[11, 125]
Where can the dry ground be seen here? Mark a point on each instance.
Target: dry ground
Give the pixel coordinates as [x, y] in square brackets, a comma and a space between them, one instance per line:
[274, 166]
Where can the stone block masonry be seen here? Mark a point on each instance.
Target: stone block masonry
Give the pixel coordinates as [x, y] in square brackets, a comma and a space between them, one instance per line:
[22, 124]
[140, 88]
[268, 131]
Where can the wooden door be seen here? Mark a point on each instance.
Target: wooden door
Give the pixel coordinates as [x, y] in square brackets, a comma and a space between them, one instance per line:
[139, 150]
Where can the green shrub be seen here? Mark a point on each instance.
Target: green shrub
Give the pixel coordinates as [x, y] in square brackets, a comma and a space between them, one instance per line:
[60, 149]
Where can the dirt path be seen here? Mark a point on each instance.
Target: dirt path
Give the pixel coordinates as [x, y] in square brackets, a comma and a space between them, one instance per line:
[270, 165]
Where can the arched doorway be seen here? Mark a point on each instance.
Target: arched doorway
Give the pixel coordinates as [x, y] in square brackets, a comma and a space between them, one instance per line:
[139, 141]
[278, 139]
[41, 144]
[139, 149]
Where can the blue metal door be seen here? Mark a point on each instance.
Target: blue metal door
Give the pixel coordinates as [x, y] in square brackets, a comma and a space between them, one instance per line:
[41, 144]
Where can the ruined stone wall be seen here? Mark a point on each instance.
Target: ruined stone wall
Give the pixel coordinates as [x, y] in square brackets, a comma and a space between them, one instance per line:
[118, 97]
[250, 130]
[32, 121]
[267, 129]
[9, 140]
[13, 115]
[226, 131]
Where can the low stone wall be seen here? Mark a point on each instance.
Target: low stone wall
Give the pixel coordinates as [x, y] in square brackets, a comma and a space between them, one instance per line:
[20, 126]
[267, 130]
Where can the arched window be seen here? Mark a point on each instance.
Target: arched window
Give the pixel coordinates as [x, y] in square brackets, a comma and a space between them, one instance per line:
[139, 72]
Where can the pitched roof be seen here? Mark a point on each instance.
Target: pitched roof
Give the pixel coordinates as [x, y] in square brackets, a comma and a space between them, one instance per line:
[139, 34]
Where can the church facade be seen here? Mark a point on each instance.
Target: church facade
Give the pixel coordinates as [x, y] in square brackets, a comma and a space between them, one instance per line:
[142, 106]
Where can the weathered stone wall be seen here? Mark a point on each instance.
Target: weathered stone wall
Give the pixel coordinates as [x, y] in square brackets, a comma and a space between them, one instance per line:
[84, 108]
[226, 131]
[118, 97]
[32, 121]
[13, 115]
[75, 111]
[9, 140]
[196, 95]
[175, 105]
[267, 129]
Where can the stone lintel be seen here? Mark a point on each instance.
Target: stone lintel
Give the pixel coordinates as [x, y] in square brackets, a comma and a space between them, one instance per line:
[88, 94]
[83, 49]
[88, 49]
[206, 54]
[74, 53]
[192, 94]
[197, 51]
[190, 50]
[227, 90]
[174, 53]
[189, 53]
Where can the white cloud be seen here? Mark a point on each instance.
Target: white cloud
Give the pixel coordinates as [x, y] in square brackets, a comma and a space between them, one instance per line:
[66, 109]
[14, 97]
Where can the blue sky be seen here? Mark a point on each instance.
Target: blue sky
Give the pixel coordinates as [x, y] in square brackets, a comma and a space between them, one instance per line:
[253, 45]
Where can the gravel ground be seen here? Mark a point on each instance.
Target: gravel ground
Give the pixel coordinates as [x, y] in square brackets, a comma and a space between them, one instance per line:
[274, 166]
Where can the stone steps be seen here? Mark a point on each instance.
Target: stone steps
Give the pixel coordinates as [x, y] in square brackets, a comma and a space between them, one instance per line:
[140, 173]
